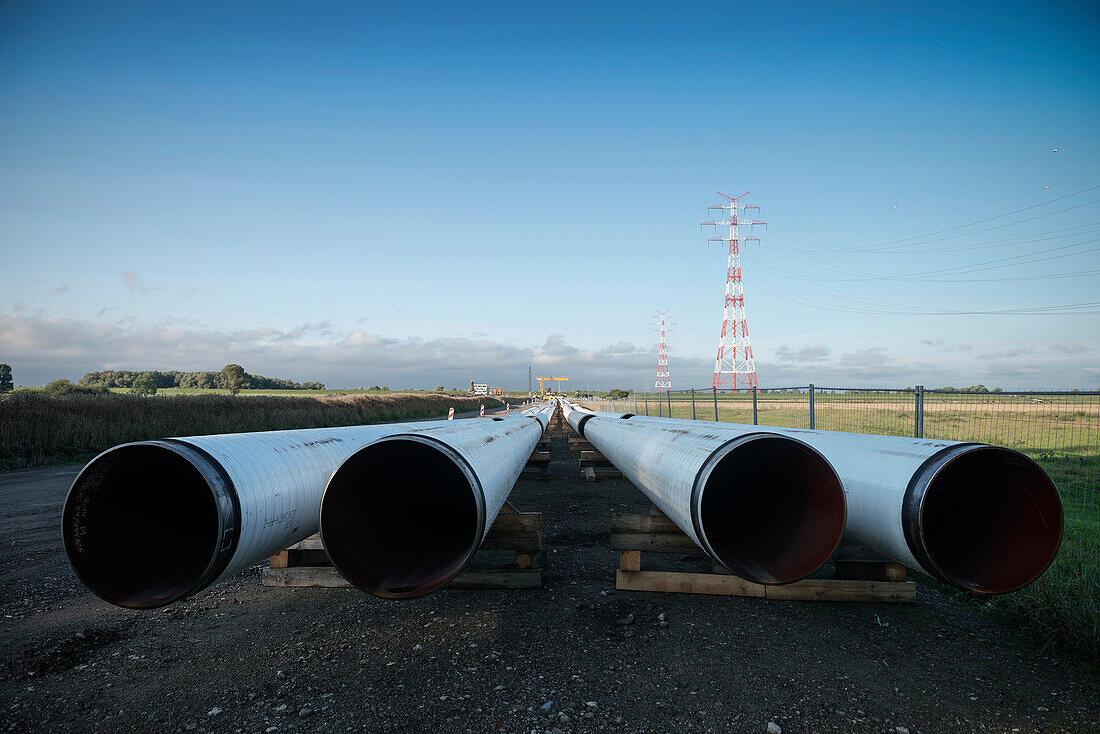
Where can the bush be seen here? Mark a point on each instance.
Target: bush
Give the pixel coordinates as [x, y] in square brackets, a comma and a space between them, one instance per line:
[64, 387]
[618, 394]
[144, 386]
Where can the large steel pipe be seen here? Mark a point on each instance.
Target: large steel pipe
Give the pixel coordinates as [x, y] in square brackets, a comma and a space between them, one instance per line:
[403, 515]
[982, 518]
[148, 523]
[768, 508]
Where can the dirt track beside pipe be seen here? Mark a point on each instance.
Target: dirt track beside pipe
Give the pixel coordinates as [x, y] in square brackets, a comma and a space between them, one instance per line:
[576, 656]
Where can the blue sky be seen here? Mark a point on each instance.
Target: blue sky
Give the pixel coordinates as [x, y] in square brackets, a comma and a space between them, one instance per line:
[424, 194]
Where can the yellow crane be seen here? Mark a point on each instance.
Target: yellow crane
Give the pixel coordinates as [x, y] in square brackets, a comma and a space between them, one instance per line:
[542, 387]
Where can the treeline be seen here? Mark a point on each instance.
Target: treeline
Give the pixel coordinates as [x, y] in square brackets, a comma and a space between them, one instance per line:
[197, 380]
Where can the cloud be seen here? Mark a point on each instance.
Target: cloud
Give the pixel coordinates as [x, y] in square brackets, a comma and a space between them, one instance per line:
[816, 353]
[63, 288]
[41, 348]
[134, 282]
[44, 348]
[1008, 353]
[865, 358]
[1068, 348]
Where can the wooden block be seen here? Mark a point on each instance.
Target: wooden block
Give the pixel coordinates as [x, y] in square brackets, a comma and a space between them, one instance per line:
[539, 457]
[524, 559]
[853, 568]
[279, 560]
[665, 542]
[589, 473]
[631, 523]
[837, 590]
[686, 583]
[630, 560]
[594, 457]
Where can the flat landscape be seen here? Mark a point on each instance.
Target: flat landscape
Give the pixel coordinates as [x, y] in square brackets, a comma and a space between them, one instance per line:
[575, 656]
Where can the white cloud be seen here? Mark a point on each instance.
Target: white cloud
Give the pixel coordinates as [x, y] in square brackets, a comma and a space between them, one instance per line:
[42, 348]
[134, 282]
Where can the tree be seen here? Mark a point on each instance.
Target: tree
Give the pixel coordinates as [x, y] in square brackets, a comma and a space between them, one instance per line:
[233, 378]
[618, 394]
[60, 387]
[385, 388]
[6, 384]
[144, 386]
[439, 388]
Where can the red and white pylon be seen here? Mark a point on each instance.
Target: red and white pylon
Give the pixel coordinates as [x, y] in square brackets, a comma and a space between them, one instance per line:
[734, 366]
[451, 414]
[482, 411]
[662, 324]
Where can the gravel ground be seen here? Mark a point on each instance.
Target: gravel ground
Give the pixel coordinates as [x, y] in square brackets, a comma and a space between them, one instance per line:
[576, 656]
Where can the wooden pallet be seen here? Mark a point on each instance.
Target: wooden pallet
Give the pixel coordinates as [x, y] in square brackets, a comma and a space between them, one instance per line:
[580, 444]
[305, 564]
[596, 473]
[858, 576]
[595, 466]
[538, 465]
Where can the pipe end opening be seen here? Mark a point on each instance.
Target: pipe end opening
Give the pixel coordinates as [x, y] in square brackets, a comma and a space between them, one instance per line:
[140, 526]
[400, 517]
[991, 520]
[772, 509]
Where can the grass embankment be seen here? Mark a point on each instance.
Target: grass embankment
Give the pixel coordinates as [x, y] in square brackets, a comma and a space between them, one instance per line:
[36, 428]
[1062, 433]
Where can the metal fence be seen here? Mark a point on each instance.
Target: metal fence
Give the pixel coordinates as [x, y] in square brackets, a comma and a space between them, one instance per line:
[1060, 430]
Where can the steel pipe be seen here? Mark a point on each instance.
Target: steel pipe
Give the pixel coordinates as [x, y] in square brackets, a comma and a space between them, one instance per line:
[152, 522]
[403, 515]
[768, 508]
[982, 518]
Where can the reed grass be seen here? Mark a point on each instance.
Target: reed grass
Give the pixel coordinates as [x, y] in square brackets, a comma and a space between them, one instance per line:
[37, 428]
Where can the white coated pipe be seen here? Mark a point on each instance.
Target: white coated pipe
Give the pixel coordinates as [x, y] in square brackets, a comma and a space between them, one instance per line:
[982, 518]
[404, 514]
[151, 522]
[768, 508]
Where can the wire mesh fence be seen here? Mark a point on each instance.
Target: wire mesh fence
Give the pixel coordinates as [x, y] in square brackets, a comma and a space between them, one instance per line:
[1060, 430]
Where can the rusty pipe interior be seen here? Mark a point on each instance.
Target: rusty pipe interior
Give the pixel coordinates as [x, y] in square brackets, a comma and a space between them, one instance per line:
[770, 509]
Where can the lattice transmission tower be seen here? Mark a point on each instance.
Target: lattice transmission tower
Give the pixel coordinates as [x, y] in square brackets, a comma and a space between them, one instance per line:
[734, 366]
[662, 323]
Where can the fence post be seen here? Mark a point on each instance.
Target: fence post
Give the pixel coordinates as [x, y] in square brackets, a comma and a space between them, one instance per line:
[812, 421]
[715, 391]
[693, 403]
[645, 397]
[918, 412]
[755, 422]
[669, 403]
[660, 405]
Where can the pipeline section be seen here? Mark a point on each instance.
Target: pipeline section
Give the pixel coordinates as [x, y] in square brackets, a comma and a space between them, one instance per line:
[768, 508]
[982, 518]
[152, 522]
[403, 515]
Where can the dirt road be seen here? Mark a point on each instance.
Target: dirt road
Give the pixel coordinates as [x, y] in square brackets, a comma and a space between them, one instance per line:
[576, 656]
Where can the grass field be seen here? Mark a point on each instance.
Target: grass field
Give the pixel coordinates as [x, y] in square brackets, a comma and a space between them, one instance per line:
[1061, 432]
[37, 428]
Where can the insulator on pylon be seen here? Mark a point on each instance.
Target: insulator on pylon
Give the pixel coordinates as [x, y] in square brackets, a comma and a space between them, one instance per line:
[662, 324]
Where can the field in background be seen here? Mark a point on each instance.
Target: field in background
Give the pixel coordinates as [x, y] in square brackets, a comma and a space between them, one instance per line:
[1061, 431]
[37, 428]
